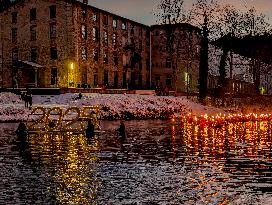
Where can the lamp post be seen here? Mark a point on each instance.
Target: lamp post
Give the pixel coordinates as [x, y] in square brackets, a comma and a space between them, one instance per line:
[70, 67]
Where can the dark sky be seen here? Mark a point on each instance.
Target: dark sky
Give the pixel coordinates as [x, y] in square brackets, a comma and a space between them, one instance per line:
[141, 10]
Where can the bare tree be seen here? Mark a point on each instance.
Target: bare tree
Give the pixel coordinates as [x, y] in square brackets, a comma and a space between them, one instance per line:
[172, 12]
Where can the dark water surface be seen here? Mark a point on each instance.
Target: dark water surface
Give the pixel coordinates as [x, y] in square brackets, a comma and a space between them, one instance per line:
[159, 163]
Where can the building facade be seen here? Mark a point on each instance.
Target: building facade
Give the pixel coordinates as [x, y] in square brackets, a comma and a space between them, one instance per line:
[175, 57]
[69, 43]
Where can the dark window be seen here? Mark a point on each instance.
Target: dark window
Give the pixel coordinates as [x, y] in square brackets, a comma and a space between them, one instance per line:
[124, 25]
[52, 11]
[84, 13]
[140, 32]
[95, 80]
[105, 19]
[14, 35]
[53, 30]
[115, 79]
[132, 31]
[33, 15]
[157, 77]
[124, 79]
[132, 80]
[33, 36]
[115, 59]
[54, 53]
[95, 54]
[34, 55]
[140, 45]
[106, 78]
[140, 65]
[54, 76]
[14, 55]
[140, 83]
[168, 82]
[147, 63]
[14, 17]
[114, 23]
[168, 63]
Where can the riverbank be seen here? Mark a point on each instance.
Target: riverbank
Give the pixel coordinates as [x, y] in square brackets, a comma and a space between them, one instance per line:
[113, 106]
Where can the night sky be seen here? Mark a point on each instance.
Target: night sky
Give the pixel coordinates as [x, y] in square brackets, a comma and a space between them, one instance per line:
[141, 10]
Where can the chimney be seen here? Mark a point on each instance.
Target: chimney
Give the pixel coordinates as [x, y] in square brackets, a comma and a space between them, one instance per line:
[85, 1]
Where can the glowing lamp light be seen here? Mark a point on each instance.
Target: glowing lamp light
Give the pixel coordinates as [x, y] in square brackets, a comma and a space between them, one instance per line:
[72, 66]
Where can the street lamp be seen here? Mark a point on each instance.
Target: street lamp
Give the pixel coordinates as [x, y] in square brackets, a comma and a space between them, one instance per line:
[70, 67]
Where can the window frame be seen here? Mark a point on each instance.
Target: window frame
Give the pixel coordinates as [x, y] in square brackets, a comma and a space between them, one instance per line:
[53, 11]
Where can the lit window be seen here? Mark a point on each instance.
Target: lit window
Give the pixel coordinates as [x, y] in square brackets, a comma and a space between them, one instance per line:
[124, 26]
[95, 54]
[84, 53]
[114, 39]
[94, 17]
[105, 59]
[106, 37]
[114, 23]
[84, 31]
[187, 79]
[95, 34]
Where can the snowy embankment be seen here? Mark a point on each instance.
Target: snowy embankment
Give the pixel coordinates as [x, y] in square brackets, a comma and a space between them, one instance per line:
[113, 106]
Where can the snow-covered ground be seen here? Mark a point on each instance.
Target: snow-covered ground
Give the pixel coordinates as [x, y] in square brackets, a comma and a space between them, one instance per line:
[113, 106]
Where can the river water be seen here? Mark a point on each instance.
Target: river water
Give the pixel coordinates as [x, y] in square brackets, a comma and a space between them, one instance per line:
[160, 162]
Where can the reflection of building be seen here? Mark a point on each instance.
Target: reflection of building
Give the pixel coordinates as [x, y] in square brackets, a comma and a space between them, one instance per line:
[70, 44]
[175, 64]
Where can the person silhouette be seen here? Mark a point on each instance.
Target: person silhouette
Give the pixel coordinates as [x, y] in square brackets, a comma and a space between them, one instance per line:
[21, 132]
[90, 129]
[122, 132]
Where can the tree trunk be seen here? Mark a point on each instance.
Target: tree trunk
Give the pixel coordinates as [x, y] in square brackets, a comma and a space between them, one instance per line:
[256, 74]
[203, 67]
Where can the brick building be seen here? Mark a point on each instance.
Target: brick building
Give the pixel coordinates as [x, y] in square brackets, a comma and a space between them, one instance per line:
[68, 43]
[176, 64]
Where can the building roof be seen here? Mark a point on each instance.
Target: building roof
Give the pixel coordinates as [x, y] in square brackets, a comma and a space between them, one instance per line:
[96, 8]
[31, 64]
[259, 47]
[83, 4]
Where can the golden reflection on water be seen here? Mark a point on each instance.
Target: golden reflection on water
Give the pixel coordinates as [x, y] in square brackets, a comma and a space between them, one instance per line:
[216, 142]
[73, 159]
[230, 150]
